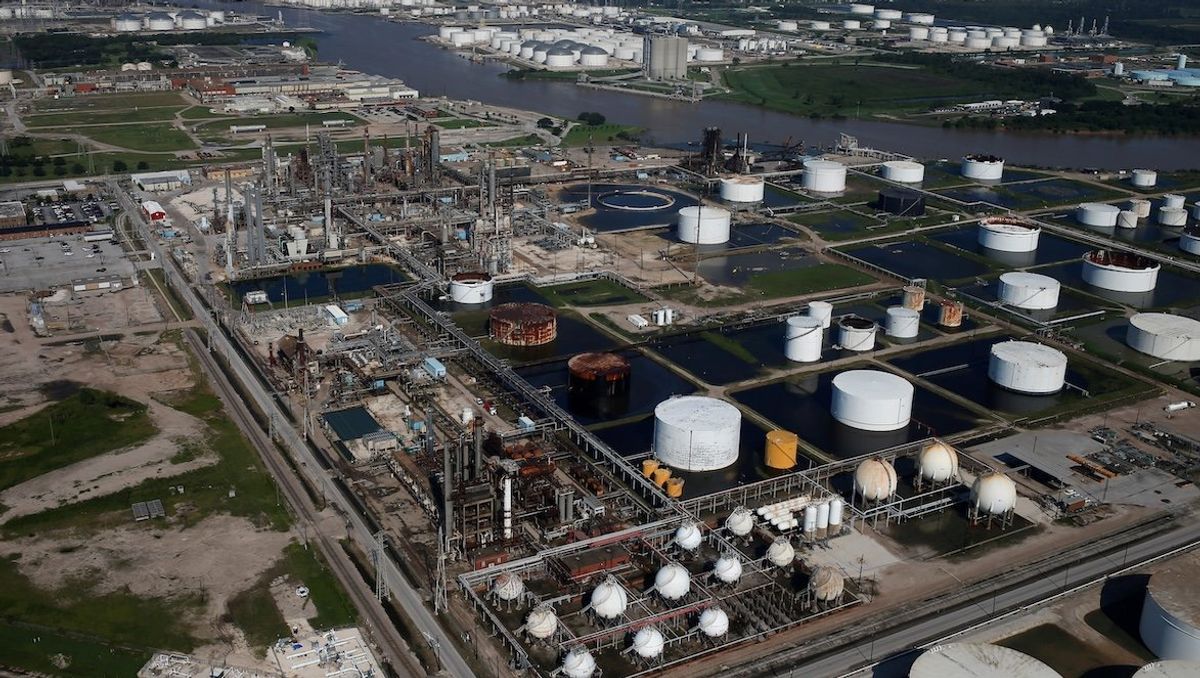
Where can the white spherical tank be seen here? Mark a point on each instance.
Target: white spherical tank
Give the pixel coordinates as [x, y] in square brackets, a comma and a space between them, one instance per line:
[1174, 217]
[1127, 219]
[824, 176]
[903, 171]
[1170, 624]
[821, 310]
[902, 323]
[802, 342]
[579, 663]
[740, 522]
[1097, 214]
[937, 462]
[471, 288]
[1032, 291]
[714, 623]
[728, 569]
[696, 433]
[1120, 271]
[1165, 336]
[983, 167]
[688, 537]
[977, 660]
[609, 599]
[704, 225]
[1008, 234]
[872, 400]
[875, 479]
[826, 584]
[1189, 241]
[781, 553]
[672, 581]
[1144, 178]
[648, 642]
[541, 622]
[742, 189]
[508, 586]
[1174, 201]
[857, 334]
[994, 493]
[1027, 367]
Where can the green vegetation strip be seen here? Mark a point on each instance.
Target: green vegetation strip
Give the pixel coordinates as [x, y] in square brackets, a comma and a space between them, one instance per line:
[150, 137]
[600, 134]
[599, 292]
[131, 115]
[55, 653]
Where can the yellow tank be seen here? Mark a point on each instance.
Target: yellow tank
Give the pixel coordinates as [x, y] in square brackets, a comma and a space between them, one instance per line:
[675, 487]
[660, 475]
[781, 449]
[649, 466]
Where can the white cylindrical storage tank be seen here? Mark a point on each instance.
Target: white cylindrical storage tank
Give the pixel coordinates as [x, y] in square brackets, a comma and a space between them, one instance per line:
[1127, 219]
[921, 18]
[1032, 291]
[1097, 214]
[127, 23]
[802, 342]
[889, 14]
[974, 43]
[742, 189]
[836, 507]
[704, 225]
[939, 36]
[1174, 201]
[672, 581]
[810, 518]
[710, 54]
[787, 26]
[820, 25]
[648, 642]
[881, 24]
[542, 622]
[903, 171]
[1165, 336]
[593, 56]
[192, 21]
[852, 24]
[1140, 206]
[902, 323]
[958, 35]
[937, 462]
[527, 48]
[824, 176]
[540, 54]
[872, 400]
[1144, 178]
[728, 569]
[1174, 217]
[579, 663]
[977, 660]
[688, 537]
[860, 8]
[1120, 271]
[875, 479]
[1027, 367]
[916, 33]
[560, 57]
[994, 493]
[1190, 241]
[471, 288]
[823, 516]
[696, 433]
[740, 522]
[714, 623]
[781, 553]
[1005, 42]
[1034, 40]
[461, 38]
[857, 334]
[1008, 234]
[624, 53]
[983, 167]
[821, 310]
[444, 32]
[160, 21]
[1170, 624]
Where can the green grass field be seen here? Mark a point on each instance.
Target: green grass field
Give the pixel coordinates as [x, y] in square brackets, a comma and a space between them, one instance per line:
[600, 134]
[462, 123]
[149, 137]
[846, 89]
[55, 653]
[110, 102]
[87, 424]
[599, 292]
[527, 140]
[148, 114]
[777, 285]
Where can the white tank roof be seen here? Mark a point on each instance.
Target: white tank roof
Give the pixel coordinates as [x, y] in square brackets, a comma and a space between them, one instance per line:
[728, 568]
[648, 642]
[1172, 668]
[688, 537]
[714, 622]
[542, 622]
[673, 581]
[1180, 334]
[978, 660]
[1029, 353]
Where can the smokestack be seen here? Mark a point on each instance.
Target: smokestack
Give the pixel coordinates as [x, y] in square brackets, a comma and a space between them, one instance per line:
[478, 450]
[507, 508]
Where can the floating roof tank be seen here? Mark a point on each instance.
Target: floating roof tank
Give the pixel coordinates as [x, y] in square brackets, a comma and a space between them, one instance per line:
[983, 167]
[688, 537]
[875, 479]
[1120, 271]
[1008, 234]
[937, 462]
[781, 553]
[714, 622]
[994, 493]
[672, 581]
[977, 660]
[471, 288]
[648, 642]
[728, 569]
[826, 584]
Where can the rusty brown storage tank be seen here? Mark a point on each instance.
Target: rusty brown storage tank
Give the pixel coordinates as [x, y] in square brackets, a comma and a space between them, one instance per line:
[598, 385]
[950, 314]
[523, 324]
[914, 297]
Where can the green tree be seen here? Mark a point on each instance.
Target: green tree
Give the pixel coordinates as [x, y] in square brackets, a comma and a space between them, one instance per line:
[119, 166]
[77, 169]
[143, 165]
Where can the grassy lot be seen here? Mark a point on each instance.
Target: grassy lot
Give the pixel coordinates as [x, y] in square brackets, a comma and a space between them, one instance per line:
[34, 649]
[277, 121]
[149, 137]
[87, 424]
[109, 102]
[33, 146]
[777, 284]
[599, 292]
[462, 123]
[200, 113]
[527, 140]
[148, 114]
[600, 134]
[846, 89]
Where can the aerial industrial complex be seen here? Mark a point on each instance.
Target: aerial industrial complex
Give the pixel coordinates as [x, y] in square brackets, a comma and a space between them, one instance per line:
[550, 405]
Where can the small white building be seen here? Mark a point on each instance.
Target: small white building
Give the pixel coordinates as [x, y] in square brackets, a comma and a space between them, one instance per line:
[336, 315]
[162, 181]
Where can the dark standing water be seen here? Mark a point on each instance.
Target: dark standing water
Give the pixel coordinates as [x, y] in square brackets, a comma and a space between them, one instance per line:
[373, 45]
[298, 287]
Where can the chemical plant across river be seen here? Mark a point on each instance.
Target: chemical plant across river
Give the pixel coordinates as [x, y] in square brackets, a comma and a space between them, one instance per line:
[374, 45]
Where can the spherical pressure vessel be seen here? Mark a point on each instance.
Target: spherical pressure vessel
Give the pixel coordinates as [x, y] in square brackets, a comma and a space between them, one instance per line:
[740, 522]
[781, 449]
[609, 599]
[672, 581]
[821, 310]
[875, 479]
[578, 663]
[542, 622]
[742, 189]
[714, 623]
[1027, 367]
[1142, 207]
[802, 341]
[836, 507]
[704, 225]
[696, 433]
[1144, 178]
[648, 642]
[508, 586]
[824, 176]
[857, 334]
[938, 462]
[872, 400]
[1120, 271]
[1032, 291]
[994, 493]
[688, 537]
[826, 584]
[902, 323]
[1008, 234]
[983, 167]
[781, 553]
[903, 171]
[1165, 336]
[1097, 214]
[728, 569]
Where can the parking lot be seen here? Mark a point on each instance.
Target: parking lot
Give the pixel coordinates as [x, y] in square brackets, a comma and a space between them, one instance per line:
[90, 210]
[43, 264]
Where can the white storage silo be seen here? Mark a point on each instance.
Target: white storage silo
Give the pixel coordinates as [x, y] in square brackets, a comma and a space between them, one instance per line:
[1027, 367]
[1032, 291]
[823, 516]
[821, 310]
[704, 225]
[579, 663]
[1140, 206]
[857, 334]
[810, 519]
[1165, 336]
[672, 581]
[824, 176]
[742, 189]
[994, 493]
[1144, 178]
[903, 171]
[875, 479]
[836, 507]
[648, 642]
[542, 622]
[872, 400]
[1120, 271]
[1127, 219]
[983, 167]
[902, 323]
[937, 462]
[802, 341]
[714, 623]
[1097, 214]
[1008, 234]
[1174, 217]
[696, 433]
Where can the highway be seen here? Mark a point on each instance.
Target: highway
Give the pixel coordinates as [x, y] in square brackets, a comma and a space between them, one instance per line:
[357, 526]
